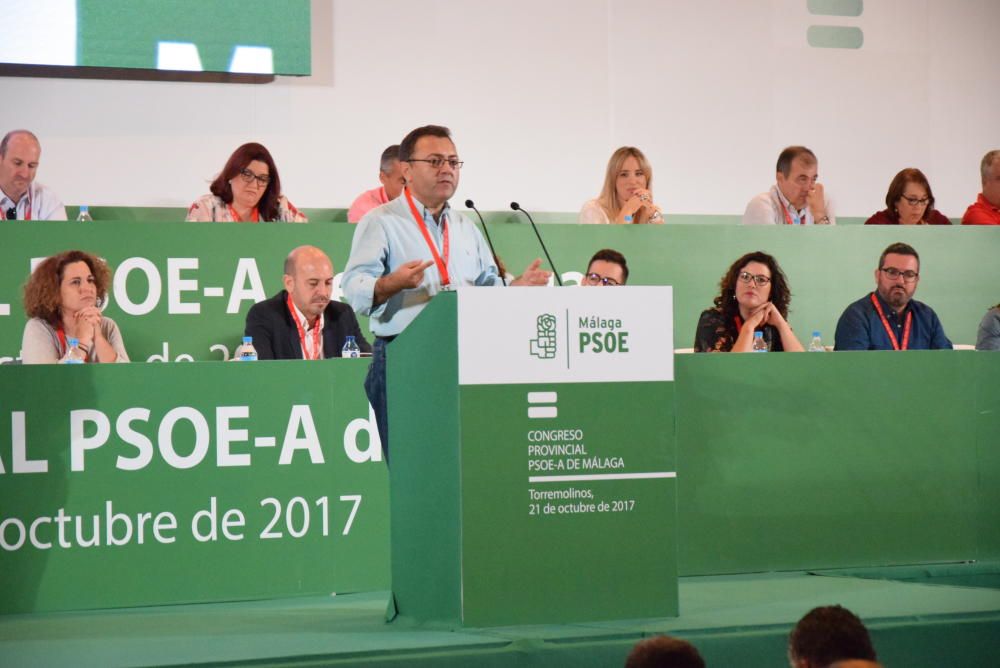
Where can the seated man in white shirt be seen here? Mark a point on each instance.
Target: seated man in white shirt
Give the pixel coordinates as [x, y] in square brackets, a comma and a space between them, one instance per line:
[797, 198]
[21, 198]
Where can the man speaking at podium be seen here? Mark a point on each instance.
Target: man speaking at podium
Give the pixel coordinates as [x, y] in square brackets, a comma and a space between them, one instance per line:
[406, 251]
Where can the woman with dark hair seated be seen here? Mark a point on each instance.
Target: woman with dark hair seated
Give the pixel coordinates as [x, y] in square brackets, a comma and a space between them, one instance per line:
[247, 190]
[753, 295]
[62, 298]
[909, 201]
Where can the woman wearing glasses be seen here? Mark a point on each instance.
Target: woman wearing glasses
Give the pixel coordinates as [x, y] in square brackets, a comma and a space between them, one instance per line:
[627, 196]
[754, 295]
[247, 190]
[909, 202]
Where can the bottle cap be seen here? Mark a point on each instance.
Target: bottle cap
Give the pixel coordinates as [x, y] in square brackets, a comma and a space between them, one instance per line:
[73, 342]
[247, 339]
[815, 333]
[758, 335]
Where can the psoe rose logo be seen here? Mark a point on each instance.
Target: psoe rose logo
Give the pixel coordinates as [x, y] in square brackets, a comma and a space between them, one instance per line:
[544, 347]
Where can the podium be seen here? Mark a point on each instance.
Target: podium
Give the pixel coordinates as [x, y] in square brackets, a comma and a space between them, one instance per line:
[532, 471]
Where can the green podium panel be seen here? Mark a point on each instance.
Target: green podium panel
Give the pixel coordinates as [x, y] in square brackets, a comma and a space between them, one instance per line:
[532, 465]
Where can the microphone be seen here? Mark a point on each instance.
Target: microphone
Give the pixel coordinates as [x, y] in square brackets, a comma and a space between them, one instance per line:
[470, 205]
[517, 207]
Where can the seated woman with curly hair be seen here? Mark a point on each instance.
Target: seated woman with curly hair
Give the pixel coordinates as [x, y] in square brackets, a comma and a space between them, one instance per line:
[753, 295]
[62, 298]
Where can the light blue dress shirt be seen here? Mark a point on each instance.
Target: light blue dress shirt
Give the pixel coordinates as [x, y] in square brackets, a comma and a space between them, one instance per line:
[387, 237]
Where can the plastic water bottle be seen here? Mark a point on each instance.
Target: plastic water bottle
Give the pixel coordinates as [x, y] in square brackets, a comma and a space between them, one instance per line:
[246, 352]
[74, 355]
[351, 348]
[84, 215]
[759, 344]
[816, 345]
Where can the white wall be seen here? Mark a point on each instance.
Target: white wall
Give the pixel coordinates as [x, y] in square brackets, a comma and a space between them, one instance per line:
[539, 92]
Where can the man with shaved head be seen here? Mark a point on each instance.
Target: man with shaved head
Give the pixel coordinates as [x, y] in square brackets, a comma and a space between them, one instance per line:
[21, 198]
[301, 322]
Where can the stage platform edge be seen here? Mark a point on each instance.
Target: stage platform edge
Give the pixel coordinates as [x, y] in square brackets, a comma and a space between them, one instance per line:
[735, 620]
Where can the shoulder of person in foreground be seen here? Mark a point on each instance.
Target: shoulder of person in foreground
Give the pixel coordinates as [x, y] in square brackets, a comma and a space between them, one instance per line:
[203, 209]
[39, 344]
[593, 214]
[852, 331]
[938, 339]
[759, 211]
[988, 336]
[114, 336]
[288, 213]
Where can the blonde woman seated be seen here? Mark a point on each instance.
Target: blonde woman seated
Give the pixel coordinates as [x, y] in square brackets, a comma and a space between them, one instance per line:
[62, 298]
[627, 196]
[247, 190]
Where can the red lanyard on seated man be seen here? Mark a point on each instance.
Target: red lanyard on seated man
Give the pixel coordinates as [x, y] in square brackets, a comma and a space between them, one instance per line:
[888, 328]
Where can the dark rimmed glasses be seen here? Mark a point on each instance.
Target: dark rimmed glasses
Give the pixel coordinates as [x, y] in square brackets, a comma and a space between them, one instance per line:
[908, 276]
[437, 162]
[594, 278]
[760, 279]
[249, 177]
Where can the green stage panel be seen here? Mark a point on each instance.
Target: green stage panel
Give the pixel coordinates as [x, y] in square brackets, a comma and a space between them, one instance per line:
[836, 460]
[125, 485]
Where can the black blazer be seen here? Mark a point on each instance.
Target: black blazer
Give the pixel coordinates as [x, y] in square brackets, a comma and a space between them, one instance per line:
[276, 337]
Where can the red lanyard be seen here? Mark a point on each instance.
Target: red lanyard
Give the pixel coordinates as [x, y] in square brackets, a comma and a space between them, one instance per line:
[62, 341]
[788, 217]
[27, 209]
[254, 215]
[888, 330]
[302, 335]
[442, 263]
[739, 323]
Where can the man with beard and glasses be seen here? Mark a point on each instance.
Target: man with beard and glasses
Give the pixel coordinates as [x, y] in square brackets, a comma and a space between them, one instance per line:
[889, 318]
[301, 322]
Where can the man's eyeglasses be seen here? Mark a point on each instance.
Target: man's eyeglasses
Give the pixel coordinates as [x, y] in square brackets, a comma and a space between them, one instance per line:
[437, 162]
[916, 201]
[249, 177]
[908, 276]
[597, 279]
[11, 213]
[760, 279]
